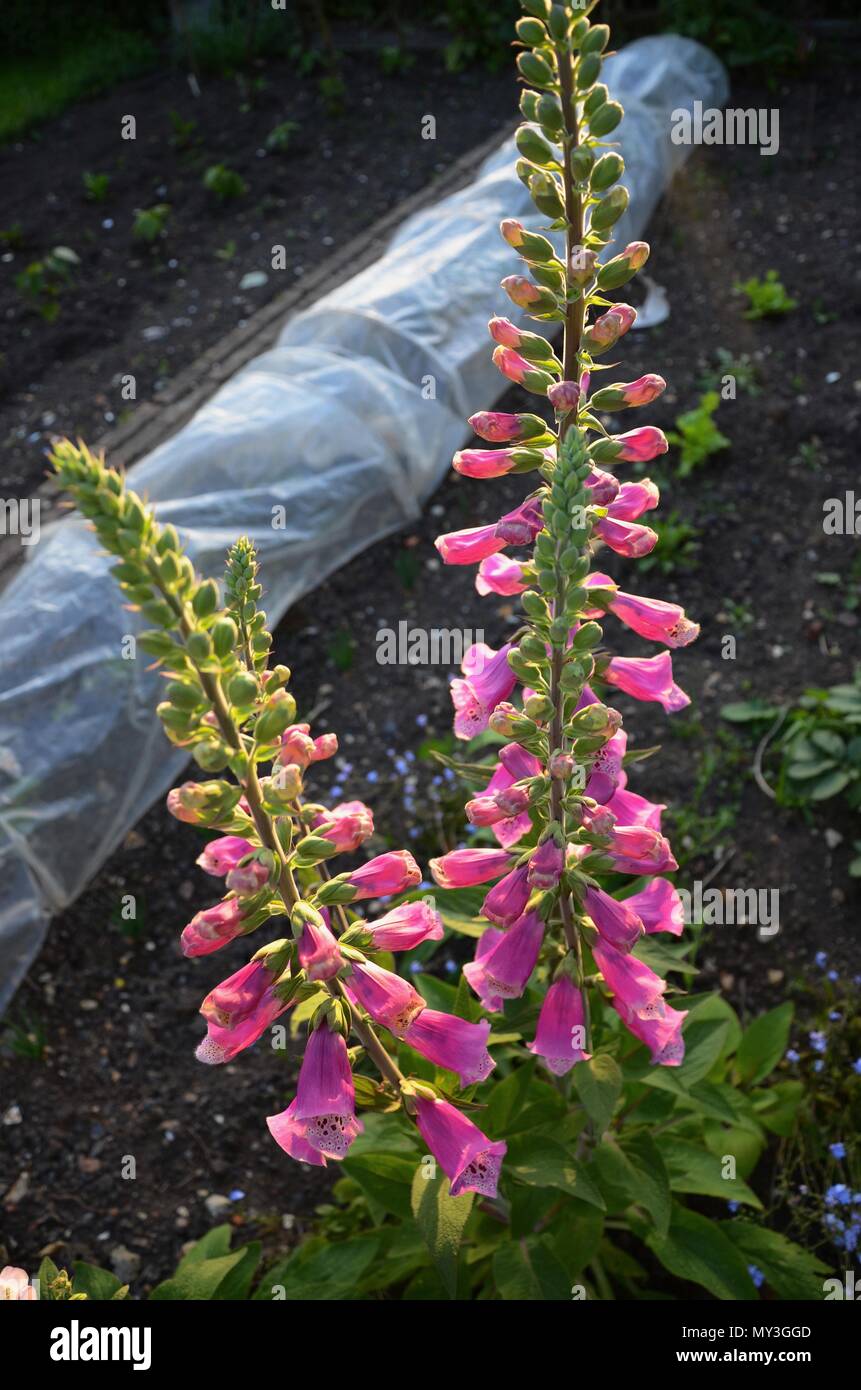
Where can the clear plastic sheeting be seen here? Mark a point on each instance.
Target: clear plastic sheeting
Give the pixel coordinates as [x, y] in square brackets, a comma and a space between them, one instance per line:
[340, 432]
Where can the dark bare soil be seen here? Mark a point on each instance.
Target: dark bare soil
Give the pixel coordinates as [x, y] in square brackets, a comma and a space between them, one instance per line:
[119, 1075]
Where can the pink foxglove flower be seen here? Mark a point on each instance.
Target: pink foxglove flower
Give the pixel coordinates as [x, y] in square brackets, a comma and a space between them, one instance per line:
[635, 849]
[297, 746]
[497, 426]
[635, 446]
[633, 499]
[603, 488]
[348, 825]
[521, 525]
[631, 809]
[659, 907]
[655, 619]
[394, 872]
[250, 878]
[469, 546]
[405, 927]
[561, 1031]
[507, 901]
[389, 999]
[545, 867]
[212, 928]
[464, 868]
[452, 1043]
[487, 681]
[238, 1012]
[607, 768]
[564, 396]
[222, 855]
[626, 537]
[662, 1035]
[608, 328]
[647, 678]
[467, 1157]
[504, 961]
[629, 393]
[502, 805]
[639, 990]
[617, 923]
[499, 575]
[321, 1122]
[319, 954]
[484, 463]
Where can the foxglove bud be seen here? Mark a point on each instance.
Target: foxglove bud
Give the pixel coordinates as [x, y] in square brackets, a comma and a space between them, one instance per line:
[582, 265]
[517, 369]
[629, 393]
[500, 428]
[623, 267]
[606, 331]
[564, 396]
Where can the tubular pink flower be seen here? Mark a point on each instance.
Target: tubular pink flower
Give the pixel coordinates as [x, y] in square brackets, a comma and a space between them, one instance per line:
[389, 999]
[521, 526]
[659, 907]
[452, 1043]
[626, 537]
[326, 746]
[662, 1035]
[222, 855]
[394, 872]
[512, 231]
[640, 445]
[504, 961]
[638, 989]
[211, 929]
[504, 332]
[238, 1012]
[406, 926]
[608, 328]
[514, 765]
[561, 1028]
[353, 823]
[467, 547]
[631, 809]
[647, 678]
[464, 868]
[498, 426]
[321, 1122]
[467, 1157]
[544, 869]
[617, 922]
[564, 396]
[483, 463]
[511, 364]
[319, 954]
[297, 747]
[655, 619]
[247, 879]
[507, 901]
[603, 487]
[521, 291]
[607, 768]
[186, 803]
[633, 499]
[487, 681]
[499, 575]
[635, 849]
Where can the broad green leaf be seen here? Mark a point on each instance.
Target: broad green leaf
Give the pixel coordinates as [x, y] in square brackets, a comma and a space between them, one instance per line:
[320, 1270]
[779, 1106]
[598, 1083]
[697, 1249]
[633, 1174]
[438, 994]
[47, 1273]
[385, 1179]
[441, 1219]
[714, 1008]
[216, 1242]
[99, 1284]
[541, 1162]
[744, 1143]
[236, 1285]
[200, 1280]
[790, 1270]
[748, 711]
[829, 785]
[576, 1234]
[763, 1044]
[528, 1270]
[692, 1169]
[705, 1041]
[507, 1099]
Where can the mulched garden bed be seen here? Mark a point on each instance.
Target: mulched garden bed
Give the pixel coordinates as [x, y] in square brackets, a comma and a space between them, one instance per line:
[119, 1075]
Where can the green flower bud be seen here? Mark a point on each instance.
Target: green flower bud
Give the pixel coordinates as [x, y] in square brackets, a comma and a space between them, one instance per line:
[198, 646]
[545, 194]
[205, 600]
[539, 708]
[587, 637]
[242, 689]
[587, 71]
[596, 39]
[225, 635]
[598, 95]
[605, 119]
[531, 31]
[536, 70]
[533, 146]
[582, 160]
[548, 113]
[277, 715]
[529, 105]
[559, 23]
[609, 168]
[606, 213]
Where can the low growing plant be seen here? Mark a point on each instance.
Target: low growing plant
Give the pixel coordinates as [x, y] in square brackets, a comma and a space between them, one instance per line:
[767, 298]
[225, 184]
[697, 436]
[541, 1125]
[151, 223]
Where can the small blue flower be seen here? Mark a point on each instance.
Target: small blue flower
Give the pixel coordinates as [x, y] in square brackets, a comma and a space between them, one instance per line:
[373, 776]
[838, 1150]
[236, 1195]
[756, 1275]
[818, 1041]
[834, 1016]
[856, 1066]
[733, 1206]
[821, 959]
[792, 1055]
[832, 976]
[818, 1065]
[422, 721]
[838, 1194]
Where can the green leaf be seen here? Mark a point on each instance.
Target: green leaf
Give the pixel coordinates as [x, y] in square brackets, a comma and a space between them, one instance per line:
[319, 1270]
[692, 1169]
[46, 1275]
[697, 1249]
[576, 1233]
[598, 1083]
[507, 1099]
[98, 1284]
[790, 1270]
[763, 1044]
[216, 1242]
[528, 1270]
[541, 1162]
[748, 711]
[202, 1279]
[705, 1042]
[829, 785]
[385, 1179]
[438, 994]
[633, 1174]
[441, 1219]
